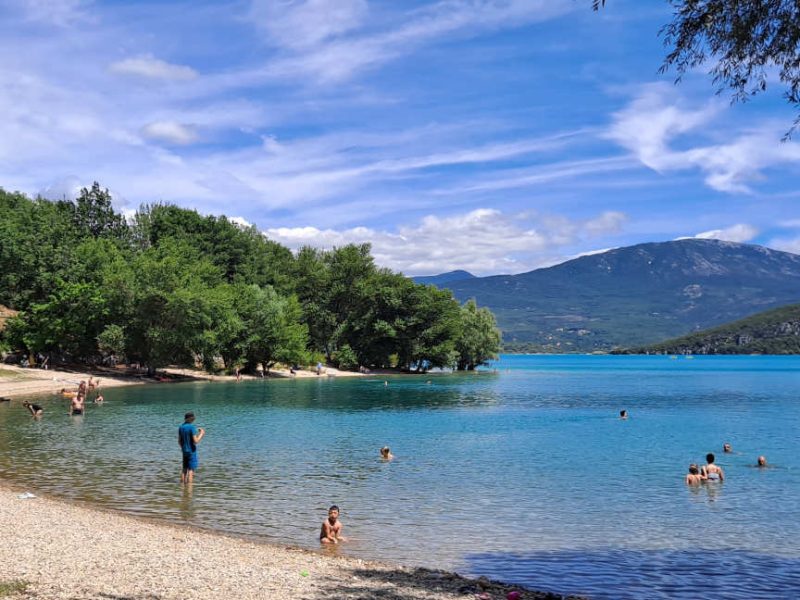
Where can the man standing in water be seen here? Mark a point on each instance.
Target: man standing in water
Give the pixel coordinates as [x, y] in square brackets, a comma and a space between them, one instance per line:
[188, 437]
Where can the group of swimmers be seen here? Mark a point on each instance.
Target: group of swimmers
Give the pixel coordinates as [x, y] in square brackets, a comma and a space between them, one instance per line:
[712, 471]
[77, 398]
[709, 471]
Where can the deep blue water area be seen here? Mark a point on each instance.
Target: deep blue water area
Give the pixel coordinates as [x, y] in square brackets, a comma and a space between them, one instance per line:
[523, 472]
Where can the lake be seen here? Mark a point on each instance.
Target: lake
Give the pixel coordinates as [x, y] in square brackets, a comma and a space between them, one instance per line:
[525, 474]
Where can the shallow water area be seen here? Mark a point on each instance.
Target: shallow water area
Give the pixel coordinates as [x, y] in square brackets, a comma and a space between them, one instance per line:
[525, 474]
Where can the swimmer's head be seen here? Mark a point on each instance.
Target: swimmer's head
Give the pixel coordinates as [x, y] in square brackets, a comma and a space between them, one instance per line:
[385, 451]
[189, 417]
[623, 413]
[762, 461]
[727, 448]
[693, 469]
[710, 457]
[333, 513]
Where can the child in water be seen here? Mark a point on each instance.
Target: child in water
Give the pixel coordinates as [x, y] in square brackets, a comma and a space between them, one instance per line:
[331, 532]
[693, 477]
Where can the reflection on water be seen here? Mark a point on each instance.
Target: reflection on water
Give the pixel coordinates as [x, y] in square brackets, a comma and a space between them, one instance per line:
[530, 462]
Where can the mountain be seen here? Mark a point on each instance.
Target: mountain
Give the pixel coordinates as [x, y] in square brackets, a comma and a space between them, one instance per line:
[442, 278]
[775, 331]
[636, 295]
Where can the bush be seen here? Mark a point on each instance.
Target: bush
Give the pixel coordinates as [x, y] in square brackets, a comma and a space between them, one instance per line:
[345, 358]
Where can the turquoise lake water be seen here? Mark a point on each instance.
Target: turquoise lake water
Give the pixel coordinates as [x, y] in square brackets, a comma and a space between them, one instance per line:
[525, 475]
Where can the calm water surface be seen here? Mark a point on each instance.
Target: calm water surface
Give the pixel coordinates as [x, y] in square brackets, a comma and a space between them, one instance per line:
[525, 475]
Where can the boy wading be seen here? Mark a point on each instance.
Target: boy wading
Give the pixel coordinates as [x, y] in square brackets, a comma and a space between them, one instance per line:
[188, 438]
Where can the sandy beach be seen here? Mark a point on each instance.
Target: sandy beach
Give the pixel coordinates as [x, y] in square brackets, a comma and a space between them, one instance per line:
[16, 381]
[58, 550]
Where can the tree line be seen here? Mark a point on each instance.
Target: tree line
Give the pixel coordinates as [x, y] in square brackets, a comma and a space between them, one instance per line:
[170, 286]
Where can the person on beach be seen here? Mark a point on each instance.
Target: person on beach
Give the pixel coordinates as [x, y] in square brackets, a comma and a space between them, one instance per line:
[188, 438]
[711, 471]
[76, 405]
[386, 454]
[35, 410]
[331, 532]
[694, 477]
[762, 461]
[623, 414]
[726, 448]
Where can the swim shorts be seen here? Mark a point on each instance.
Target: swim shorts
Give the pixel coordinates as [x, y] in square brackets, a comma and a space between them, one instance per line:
[190, 461]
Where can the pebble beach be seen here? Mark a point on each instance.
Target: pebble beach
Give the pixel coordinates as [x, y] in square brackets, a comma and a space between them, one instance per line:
[57, 550]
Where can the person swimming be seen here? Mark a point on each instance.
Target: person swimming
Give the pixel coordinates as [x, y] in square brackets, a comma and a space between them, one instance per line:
[623, 414]
[762, 461]
[694, 477]
[727, 448]
[711, 471]
[386, 454]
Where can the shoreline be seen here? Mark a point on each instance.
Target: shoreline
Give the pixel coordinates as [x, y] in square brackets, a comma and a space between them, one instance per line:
[17, 382]
[64, 549]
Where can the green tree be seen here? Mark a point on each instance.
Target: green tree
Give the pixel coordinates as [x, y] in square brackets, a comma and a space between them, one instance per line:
[173, 308]
[68, 323]
[273, 329]
[94, 214]
[479, 339]
[428, 329]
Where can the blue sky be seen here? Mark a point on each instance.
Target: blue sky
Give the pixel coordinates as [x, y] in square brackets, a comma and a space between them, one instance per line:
[495, 136]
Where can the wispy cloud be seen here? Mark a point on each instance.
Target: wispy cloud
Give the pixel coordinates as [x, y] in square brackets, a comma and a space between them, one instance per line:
[61, 13]
[318, 53]
[651, 123]
[481, 241]
[302, 24]
[153, 68]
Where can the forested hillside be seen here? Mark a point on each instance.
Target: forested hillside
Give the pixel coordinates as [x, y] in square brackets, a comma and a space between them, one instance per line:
[171, 286]
[774, 331]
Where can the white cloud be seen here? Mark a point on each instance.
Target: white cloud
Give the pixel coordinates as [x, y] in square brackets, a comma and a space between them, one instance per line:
[650, 124]
[65, 188]
[741, 232]
[241, 222]
[153, 68]
[305, 23]
[480, 241]
[171, 132]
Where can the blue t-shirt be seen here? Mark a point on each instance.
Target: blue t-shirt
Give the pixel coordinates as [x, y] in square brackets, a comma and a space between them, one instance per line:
[185, 434]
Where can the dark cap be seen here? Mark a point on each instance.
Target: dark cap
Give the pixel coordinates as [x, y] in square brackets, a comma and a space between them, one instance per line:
[189, 415]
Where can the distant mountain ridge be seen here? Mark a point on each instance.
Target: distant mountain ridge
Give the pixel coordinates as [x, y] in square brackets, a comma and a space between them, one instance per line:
[442, 278]
[636, 295]
[775, 331]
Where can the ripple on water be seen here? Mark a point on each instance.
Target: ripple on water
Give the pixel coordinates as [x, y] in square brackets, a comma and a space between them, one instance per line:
[616, 574]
